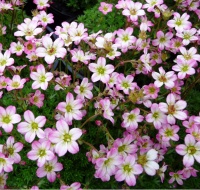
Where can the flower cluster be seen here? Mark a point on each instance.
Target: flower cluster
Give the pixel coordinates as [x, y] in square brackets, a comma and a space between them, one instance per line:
[132, 82]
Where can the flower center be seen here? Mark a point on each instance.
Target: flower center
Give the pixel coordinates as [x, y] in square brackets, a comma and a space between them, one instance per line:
[10, 150]
[48, 168]
[2, 62]
[133, 12]
[155, 115]
[6, 119]
[169, 132]
[122, 148]
[125, 38]
[142, 159]
[131, 117]
[42, 78]
[171, 109]
[186, 36]
[82, 89]
[29, 33]
[67, 137]
[185, 68]
[125, 85]
[127, 168]
[15, 84]
[2, 161]
[36, 99]
[51, 51]
[101, 70]
[42, 152]
[162, 39]
[187, 56]
[152, 90]
[163, 79]
[68, 108]
[191, 150]
[34, 126]
[178, 22]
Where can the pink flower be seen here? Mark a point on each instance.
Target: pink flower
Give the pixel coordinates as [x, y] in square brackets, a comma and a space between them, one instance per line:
[49, 169]
[176, 176]
[41, 4]
[5, 60]
[148, 163]
[107, 166]
[71, 108]
[41, 78]
[12, 149]
[17, 48]
[32, 126]
[28, 29]
[190, 151]
[105, 8]
[156, 116]
[37, 98]
[100, 70]
[84, 90]
[15, 83]
[73, 186]
[45, 18]
[161, 172]
[173, 108]
[8, 117]
[5, 163]
[180, 22]
[3, 177]
[29, 46]
[164, 78]
[41, 152]
[51, 50]
[65, 139]
[127, 170]
[162, 39]
[130, 120]
[133, 10]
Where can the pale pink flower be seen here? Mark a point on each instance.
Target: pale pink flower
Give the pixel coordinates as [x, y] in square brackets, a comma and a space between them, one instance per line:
[84, 90]
[100, 70]
[37, 98]
[28, 29]
[163, 40]
[29, 46]
[161, 172]
[189, 171]
[32, 126]
[105, 8]
[125, 83]
[176, 176]
[130, 120]
[71, 108]
[156, 116]
[151, 4]
[125, 145]
[173, 108]
[8, 117]
[65, 138]
[127, 170]
[190, 150]
[5, 164]
[41, 4]
[169, 132]
[78, 33]
[78, 55]
[16, 48]
[5, 6]
[164, 78]
[107, 166]
[180, 22]
[41, 152]
[184, 68]
[62, 82]
[125, 39]
[34, 187]
[51, 50]
[189, 54]
[5, 60]
[45, 18]
[133, 10]
[73, 186]
[11, 150]
[188, 36]
[49, 169]
[3, 82]
[145, 24]
[15, 83]
[41, 78]
[3, 178]
[148, 163]
[151, 91]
